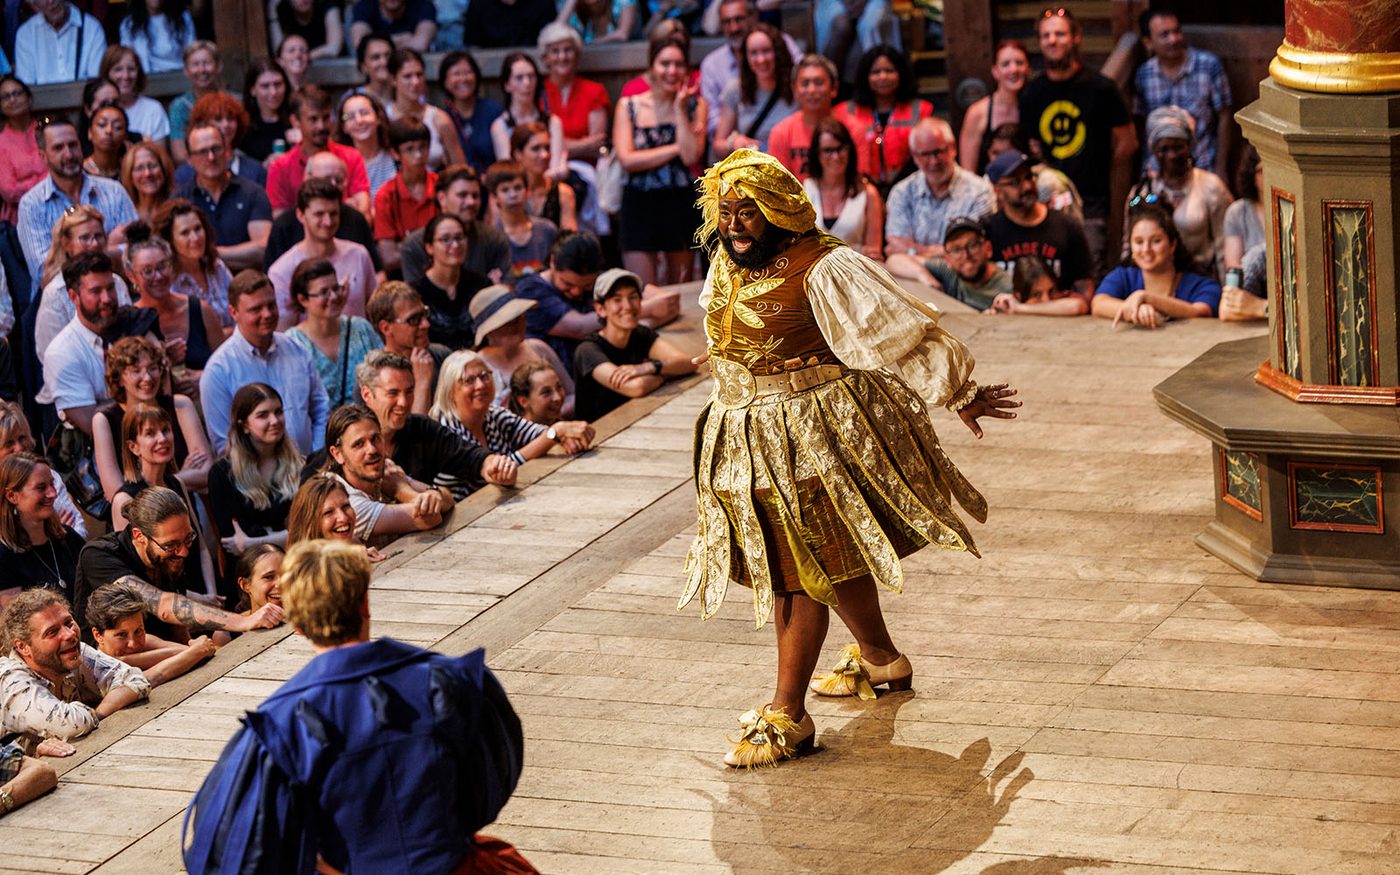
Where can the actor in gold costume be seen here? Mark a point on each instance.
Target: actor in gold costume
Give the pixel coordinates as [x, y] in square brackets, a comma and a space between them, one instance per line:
[816, 463]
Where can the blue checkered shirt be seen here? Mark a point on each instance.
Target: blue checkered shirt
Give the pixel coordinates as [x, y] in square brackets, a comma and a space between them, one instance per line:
[1200, 88]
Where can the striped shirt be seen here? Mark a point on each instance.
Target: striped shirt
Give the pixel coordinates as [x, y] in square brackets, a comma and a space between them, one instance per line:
[506, 432]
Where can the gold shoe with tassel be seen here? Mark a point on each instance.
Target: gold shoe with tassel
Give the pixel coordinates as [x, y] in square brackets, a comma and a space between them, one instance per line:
[770, 736]
[853, 676]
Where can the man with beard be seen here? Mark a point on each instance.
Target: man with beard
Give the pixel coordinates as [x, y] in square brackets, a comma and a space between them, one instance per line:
[156, 554]
[65, 186]
[387, 502]
[816, 464]
[921, 204]
[1025, 227]
[422, 448]
[966, 271]
[1076, 121]
[52, 685]
[311, 115]
[74, 373]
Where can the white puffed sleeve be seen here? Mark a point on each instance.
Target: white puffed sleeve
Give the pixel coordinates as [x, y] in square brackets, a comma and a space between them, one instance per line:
[707, 292]
[871, 322]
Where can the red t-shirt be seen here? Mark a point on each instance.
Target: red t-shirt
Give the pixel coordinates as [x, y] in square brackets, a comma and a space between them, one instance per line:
[584, 96]
[285, 175]
[788, 142]
[397, 213]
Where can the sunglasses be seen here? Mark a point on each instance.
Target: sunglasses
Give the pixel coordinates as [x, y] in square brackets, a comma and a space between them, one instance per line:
[1141, 199]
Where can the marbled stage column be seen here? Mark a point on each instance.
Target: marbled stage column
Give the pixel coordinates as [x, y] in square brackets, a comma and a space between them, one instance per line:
[1307, 453]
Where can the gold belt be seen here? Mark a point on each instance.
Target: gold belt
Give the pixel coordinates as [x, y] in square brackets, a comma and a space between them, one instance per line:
[736, 386]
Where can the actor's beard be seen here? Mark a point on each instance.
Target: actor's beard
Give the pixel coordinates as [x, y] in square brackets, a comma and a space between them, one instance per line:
[763, 250]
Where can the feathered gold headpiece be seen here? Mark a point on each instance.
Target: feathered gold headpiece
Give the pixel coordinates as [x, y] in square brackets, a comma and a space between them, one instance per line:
[746, 173]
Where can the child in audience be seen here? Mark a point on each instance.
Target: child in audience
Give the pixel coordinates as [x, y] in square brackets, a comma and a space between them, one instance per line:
[258, 571]
[530, 236]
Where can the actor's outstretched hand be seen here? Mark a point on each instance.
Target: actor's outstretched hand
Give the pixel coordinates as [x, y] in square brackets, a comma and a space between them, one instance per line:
[994, 401]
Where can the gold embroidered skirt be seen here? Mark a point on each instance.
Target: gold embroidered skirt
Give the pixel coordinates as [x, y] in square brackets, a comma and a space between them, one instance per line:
[800, 491]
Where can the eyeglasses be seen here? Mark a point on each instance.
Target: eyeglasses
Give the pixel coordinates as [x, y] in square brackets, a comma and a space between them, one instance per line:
[451, 240]
[417, 317]
[963, 251]
[338, 288]
[482, 377]
[12, 95]
[92, 239]
[933, 153]
[143, 371]
[833, 151]
[154, 270]
[181, 545]
[1141, 199]
[208, 151]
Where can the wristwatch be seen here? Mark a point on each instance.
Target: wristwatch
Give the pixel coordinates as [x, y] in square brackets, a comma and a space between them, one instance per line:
[656, 365]
[552, 434]
[7, 803]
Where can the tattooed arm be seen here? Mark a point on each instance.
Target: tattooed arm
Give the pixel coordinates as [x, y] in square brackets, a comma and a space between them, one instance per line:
[181, 610]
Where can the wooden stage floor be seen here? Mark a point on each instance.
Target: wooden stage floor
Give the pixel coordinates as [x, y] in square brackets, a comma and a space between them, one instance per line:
[1096, 695]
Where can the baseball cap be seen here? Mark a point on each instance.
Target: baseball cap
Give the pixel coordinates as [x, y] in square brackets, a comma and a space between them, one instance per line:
[961, 224]
[607, 282]
[1006, 164]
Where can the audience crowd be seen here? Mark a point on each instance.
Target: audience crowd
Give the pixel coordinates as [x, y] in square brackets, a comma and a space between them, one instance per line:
[238, 322]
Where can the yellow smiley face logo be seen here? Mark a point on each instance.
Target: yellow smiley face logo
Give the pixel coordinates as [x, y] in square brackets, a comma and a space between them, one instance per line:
[1062, 129]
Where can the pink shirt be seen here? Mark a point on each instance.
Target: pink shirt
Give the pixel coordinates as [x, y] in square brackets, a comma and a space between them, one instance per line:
[21, 168]
[286, 173]
[353, 267]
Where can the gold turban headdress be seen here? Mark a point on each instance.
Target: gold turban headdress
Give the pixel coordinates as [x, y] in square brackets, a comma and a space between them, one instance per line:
[746, 173]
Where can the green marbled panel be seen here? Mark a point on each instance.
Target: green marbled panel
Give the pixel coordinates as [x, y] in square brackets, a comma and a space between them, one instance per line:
[1332, 497]
[1351, 285]
[1288, 288]
[1242, 478]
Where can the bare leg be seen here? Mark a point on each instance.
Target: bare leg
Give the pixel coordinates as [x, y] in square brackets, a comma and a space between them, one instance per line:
[643, 264]
[860, 611]
[801, 623]
[680, 267]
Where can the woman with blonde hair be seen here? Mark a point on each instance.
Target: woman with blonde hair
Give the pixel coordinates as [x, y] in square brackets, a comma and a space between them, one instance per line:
[148, 175]
[79, 230]
[252, 486]
[463, 402]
